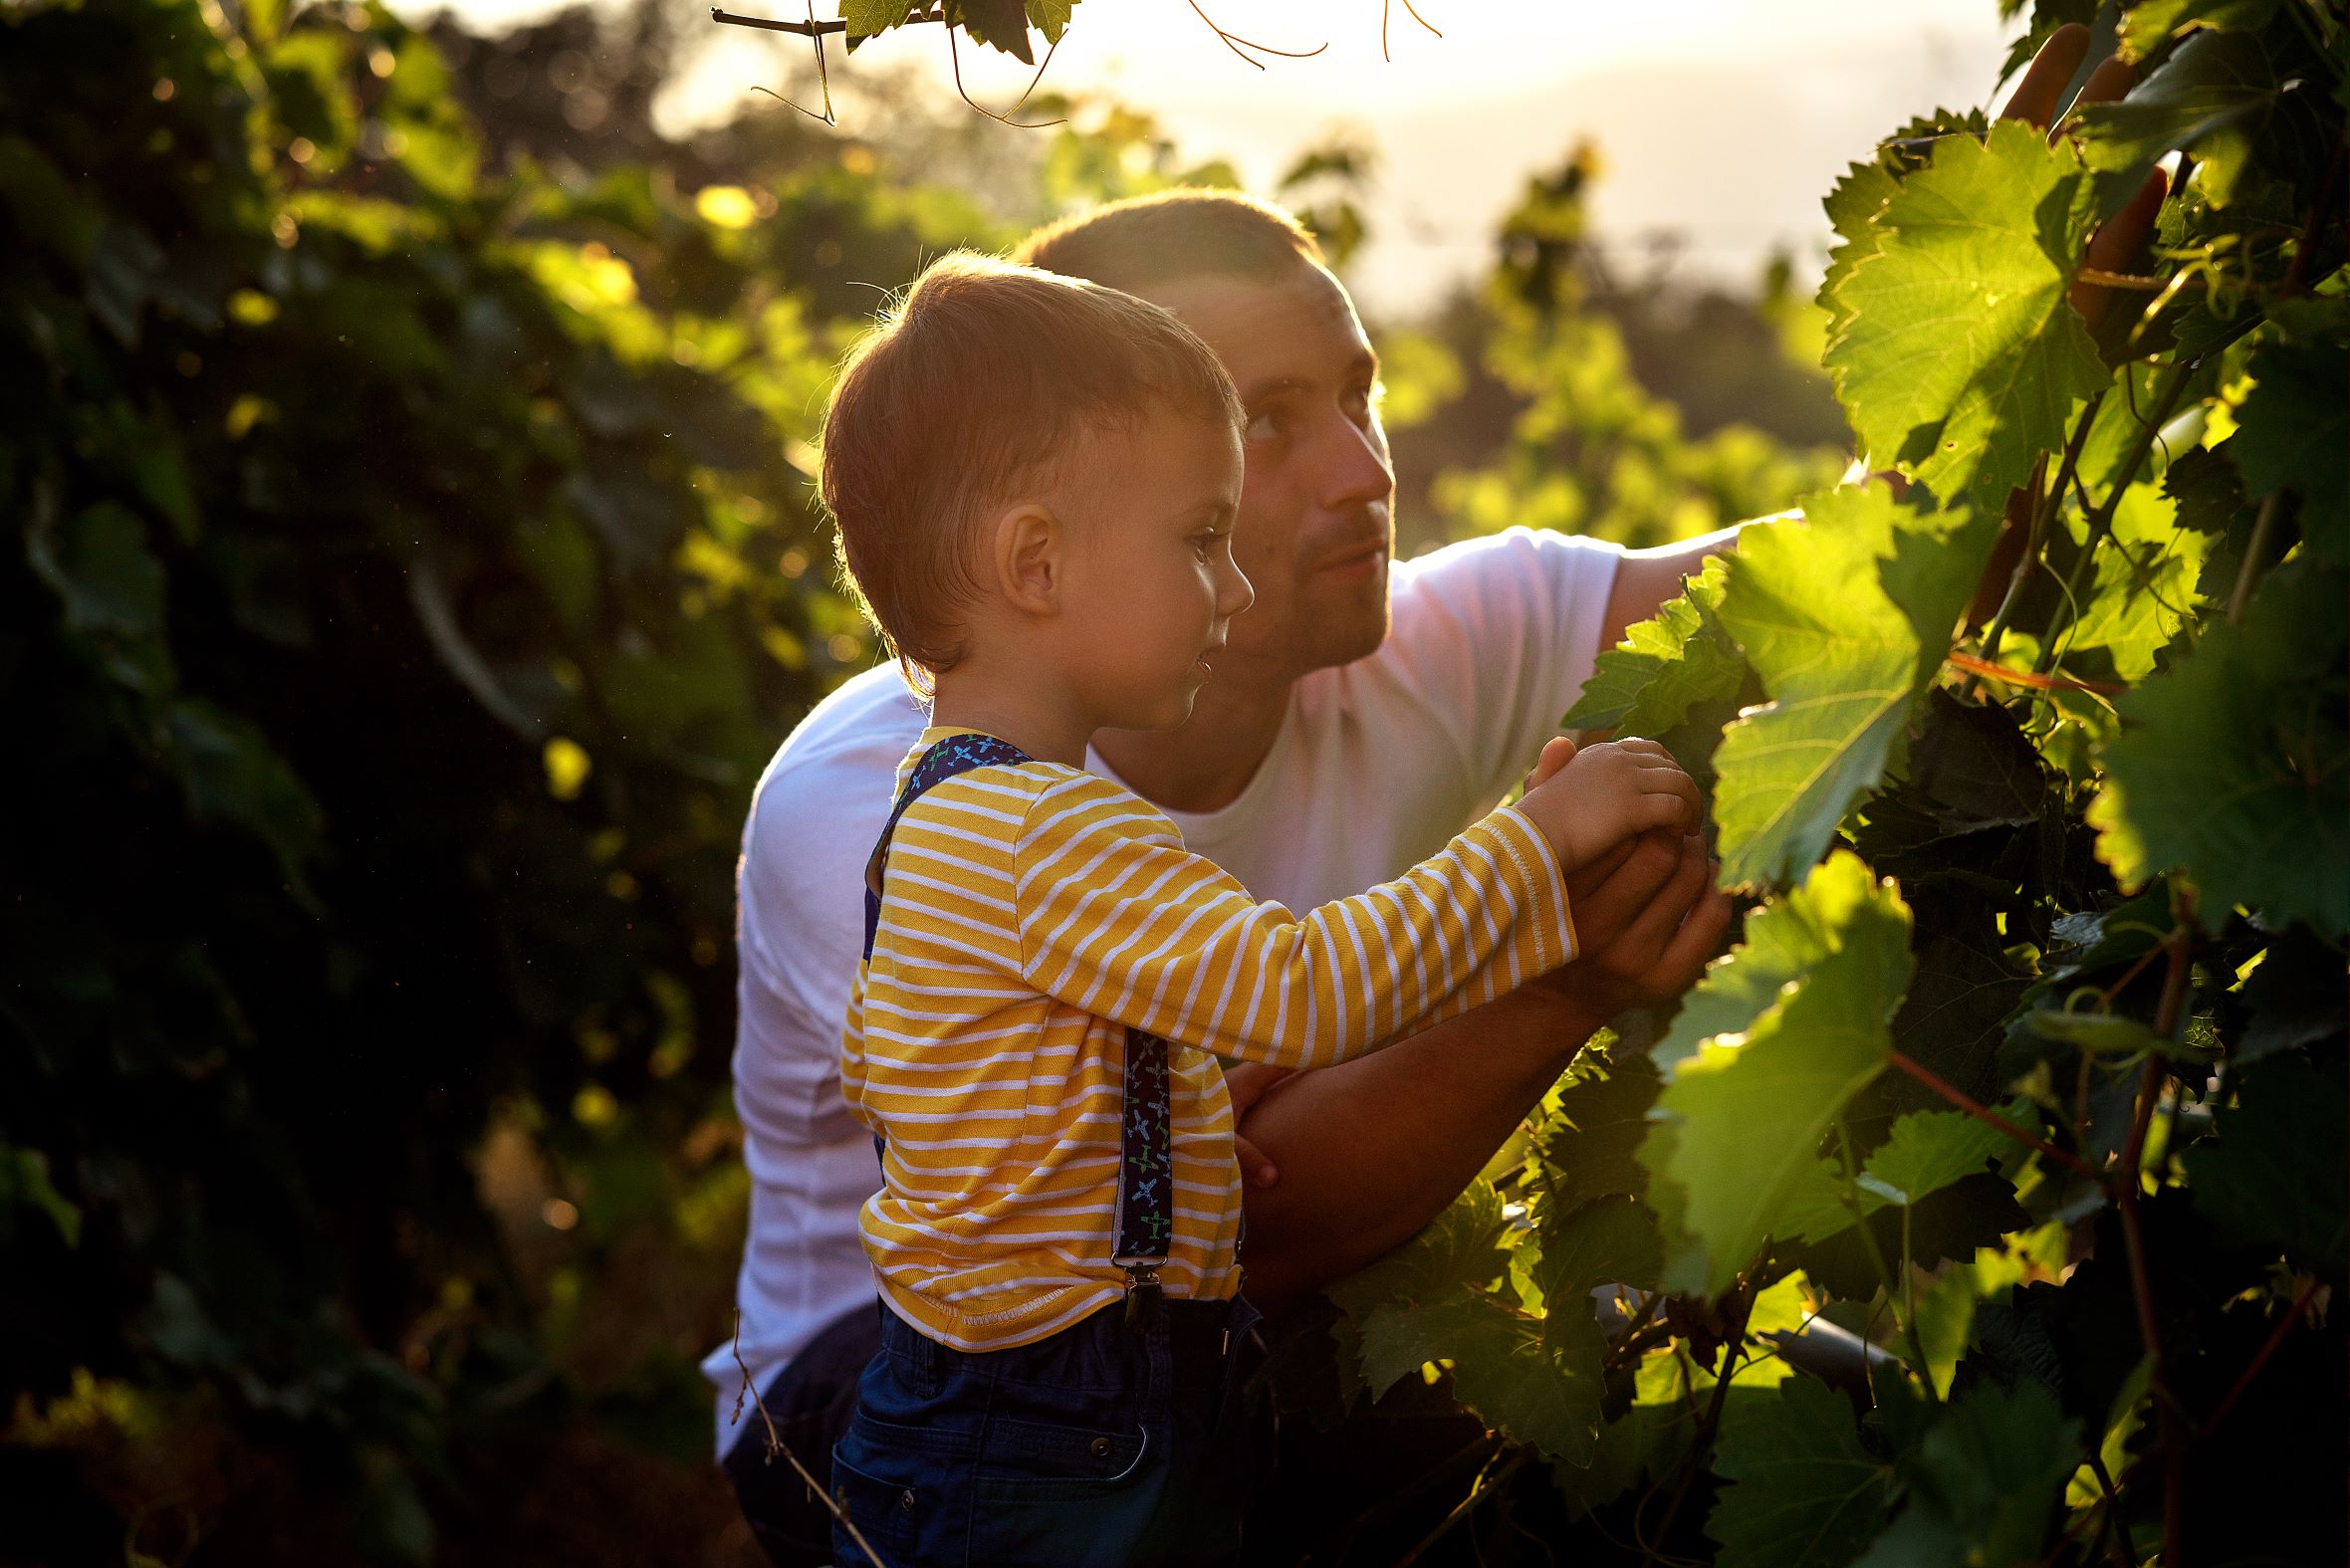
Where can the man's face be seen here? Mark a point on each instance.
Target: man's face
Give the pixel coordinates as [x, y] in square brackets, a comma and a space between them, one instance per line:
[1314, 531]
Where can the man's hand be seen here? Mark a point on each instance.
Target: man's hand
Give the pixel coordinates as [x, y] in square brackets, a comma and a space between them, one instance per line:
[1246, 1082]
[1371, 1150]
[1649, 918]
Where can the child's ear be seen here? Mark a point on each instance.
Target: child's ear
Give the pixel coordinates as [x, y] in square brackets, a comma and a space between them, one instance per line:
[1031, 558]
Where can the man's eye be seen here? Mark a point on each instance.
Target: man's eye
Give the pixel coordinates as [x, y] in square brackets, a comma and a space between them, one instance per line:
[1362, 399]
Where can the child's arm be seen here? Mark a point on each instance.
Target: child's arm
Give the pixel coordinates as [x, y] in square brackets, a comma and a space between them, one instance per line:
[1115, 917]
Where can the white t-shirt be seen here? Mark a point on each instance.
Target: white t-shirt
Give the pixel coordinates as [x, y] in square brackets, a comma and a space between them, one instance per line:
[1377, 765]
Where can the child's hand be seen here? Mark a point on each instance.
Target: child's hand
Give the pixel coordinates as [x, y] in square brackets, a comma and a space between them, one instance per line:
[1558, 752]
[1591, 799]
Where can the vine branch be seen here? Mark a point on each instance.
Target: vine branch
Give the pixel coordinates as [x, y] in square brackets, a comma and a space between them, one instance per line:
[1964, 1101]
[1701, 1447]
[775, 1446]
[2100, 522]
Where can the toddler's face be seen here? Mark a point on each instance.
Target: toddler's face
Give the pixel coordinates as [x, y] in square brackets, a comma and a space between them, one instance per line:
[1153, 586]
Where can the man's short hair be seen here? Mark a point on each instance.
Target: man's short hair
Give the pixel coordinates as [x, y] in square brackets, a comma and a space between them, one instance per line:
[977, 381]
[1181, 233]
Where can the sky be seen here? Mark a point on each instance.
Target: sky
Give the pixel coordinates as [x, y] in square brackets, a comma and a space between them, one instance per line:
[1719, 122]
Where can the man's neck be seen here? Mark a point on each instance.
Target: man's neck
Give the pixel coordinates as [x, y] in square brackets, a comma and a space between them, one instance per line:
[1204, 763]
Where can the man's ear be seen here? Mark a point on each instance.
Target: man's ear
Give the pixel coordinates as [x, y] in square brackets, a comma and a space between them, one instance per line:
[1029, 556]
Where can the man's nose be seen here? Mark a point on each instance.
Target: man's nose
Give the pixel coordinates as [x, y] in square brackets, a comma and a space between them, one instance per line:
[1351, 465]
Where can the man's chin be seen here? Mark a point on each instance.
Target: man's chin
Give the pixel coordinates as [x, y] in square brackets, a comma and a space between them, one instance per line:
[1342, 627]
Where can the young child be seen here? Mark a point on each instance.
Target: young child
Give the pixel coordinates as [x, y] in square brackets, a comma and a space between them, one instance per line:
[1035, 480]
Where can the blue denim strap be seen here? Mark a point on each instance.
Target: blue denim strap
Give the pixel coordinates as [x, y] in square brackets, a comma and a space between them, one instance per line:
[1146, 1164]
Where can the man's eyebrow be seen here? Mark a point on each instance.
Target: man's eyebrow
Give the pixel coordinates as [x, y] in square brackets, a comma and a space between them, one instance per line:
[1260, 392]
[1361, 364]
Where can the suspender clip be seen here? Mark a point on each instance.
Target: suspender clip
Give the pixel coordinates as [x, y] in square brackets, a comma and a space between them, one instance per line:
[1143, 1296]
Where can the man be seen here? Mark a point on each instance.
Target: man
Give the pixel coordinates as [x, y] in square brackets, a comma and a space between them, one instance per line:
[1359, 716]
[1352, 727]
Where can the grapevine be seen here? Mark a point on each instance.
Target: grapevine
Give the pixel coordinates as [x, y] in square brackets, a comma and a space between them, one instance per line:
[2027, 1067]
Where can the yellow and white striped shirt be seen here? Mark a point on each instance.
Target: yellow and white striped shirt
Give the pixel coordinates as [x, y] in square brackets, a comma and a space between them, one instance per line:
[1031, 915]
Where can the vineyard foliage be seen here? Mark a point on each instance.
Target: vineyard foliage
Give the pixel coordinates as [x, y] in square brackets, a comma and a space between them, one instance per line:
[411, 564]
[2028, 1063]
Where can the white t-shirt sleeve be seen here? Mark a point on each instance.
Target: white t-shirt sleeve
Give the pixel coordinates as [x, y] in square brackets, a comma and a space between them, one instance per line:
[1501, 633]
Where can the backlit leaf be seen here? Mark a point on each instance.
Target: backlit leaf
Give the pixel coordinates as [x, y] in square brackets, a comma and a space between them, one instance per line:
[1846, 617]
[1955, 353]
[1665, 665]
[2232, 765]
[1740, 1123]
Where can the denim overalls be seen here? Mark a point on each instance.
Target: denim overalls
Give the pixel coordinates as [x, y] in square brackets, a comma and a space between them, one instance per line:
[1123, 1439]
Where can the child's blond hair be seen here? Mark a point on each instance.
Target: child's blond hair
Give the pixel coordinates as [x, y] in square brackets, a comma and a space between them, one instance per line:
[976, 383]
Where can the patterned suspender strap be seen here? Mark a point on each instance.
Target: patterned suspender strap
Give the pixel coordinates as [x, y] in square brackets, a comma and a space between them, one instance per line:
[957, 754]
[1146, 1176]
[1146, 1164]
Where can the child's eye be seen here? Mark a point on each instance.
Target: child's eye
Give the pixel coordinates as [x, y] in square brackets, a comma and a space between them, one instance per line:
[1265, 425]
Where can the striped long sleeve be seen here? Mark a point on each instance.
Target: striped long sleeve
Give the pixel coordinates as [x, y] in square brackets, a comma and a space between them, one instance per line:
[1118, 919]
[1028, 915]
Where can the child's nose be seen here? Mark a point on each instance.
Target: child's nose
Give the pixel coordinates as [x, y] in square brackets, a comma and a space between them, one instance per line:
[1239, 593]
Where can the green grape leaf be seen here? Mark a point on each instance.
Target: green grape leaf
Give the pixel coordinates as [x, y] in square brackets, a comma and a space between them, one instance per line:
[1585, 1147]
[2210, 97]
[1945, 1316]
[1845, 616]
[1982, 1484]
[2142, 593]
[1853, 209]
[2149, 24]
[1051, 17]
[1972, 767]
[1538, 1378]
[2273, 1176]
[1954, 352]
[1801, 1487]
[998, 23]
[2295, 432]
[2232, 765]
[1666, 665]
[1926, 1152]
[1782, 942]
[870, 18]
[1647, 1440]
[1459, 1247]
[1929, 1150]
[2206, 489]
[1608, 1242]
[1739, 1124]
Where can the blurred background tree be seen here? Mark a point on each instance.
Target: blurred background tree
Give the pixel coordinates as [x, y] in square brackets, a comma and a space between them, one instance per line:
[412, 561]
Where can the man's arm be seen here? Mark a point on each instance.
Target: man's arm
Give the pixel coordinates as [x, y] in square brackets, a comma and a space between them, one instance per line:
[1645, 579]
[1369, 1152]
